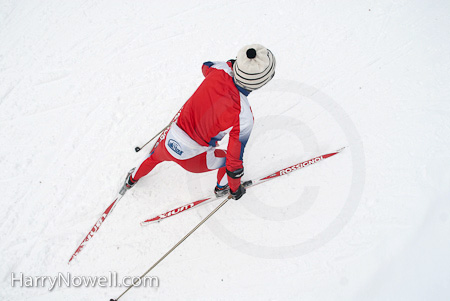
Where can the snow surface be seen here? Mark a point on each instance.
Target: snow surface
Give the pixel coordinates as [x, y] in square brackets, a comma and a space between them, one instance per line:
[83, 82]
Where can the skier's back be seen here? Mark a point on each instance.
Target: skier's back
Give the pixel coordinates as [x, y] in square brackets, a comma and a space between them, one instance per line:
[219, 106]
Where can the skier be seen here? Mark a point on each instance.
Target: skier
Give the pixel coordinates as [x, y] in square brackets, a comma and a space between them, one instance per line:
[218, 107]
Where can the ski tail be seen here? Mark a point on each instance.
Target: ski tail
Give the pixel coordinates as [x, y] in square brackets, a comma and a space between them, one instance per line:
[95, 227]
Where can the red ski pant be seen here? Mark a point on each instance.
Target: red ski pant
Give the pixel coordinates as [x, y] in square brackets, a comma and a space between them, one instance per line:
[207, 161]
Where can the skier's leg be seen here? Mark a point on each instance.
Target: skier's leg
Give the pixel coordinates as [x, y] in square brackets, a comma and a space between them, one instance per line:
[159, 155]
[222, 179]
[217, 160]
[145, 167]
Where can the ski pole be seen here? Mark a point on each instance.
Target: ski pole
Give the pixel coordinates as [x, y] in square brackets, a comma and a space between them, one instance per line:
[173, 248]
[137, 148]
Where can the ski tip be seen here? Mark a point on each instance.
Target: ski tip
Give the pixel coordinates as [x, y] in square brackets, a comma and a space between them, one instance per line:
[341, 149]
[150, 221]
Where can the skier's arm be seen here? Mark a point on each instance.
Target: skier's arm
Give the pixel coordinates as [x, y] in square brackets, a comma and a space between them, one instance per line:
[234, 163]
[238, 139]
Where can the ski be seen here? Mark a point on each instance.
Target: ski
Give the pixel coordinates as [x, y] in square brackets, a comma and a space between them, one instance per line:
[247, 184]
[96, 227]
[102, 218]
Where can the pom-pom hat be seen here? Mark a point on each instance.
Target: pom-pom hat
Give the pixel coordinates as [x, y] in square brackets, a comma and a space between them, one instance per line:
[254, 67]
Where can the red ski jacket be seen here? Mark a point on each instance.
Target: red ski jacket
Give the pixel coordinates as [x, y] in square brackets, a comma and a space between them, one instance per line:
[216, 108]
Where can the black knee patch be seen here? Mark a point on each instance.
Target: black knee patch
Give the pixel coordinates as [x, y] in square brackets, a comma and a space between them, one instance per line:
[236, 174]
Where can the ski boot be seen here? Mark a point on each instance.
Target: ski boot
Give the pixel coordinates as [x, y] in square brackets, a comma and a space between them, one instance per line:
[221, 190]
[129, 182]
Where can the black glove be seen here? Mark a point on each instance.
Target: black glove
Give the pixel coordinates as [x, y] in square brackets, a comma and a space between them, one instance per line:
[238, 193]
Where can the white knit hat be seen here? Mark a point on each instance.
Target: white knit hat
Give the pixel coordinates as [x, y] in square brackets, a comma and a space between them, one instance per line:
[254, 67]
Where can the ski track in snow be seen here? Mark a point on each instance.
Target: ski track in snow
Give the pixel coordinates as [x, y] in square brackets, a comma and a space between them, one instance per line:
[83, 82]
